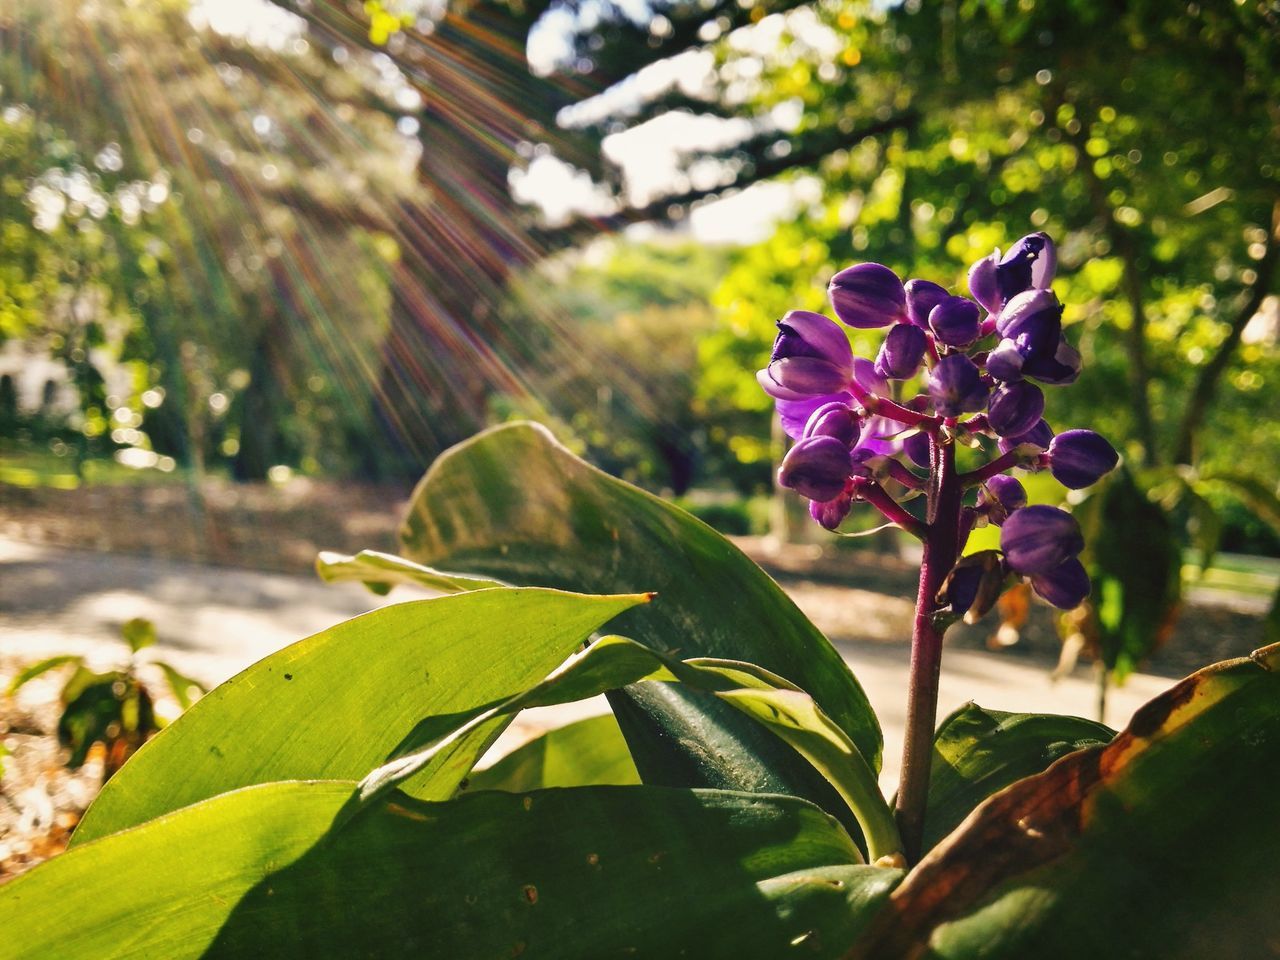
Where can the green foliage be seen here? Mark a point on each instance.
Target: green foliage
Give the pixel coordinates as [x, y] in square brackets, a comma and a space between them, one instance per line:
[324, 803]
[114, 708]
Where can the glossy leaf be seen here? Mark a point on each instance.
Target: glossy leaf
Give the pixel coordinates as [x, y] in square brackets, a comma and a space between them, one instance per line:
[1162, 844]
[335, 705]
[978, 752]
[549, 874]
[588, 752]
[616, 661]
[382, 571]
[513, 504]
[181, 685]
[138, 633]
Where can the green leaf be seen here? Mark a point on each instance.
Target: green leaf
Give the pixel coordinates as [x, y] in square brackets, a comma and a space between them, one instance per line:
[1161, 844]
[259, 872]
[978, 752]
[1258, 493]
[27, 674]
[588, 752]
[334, 705]
[138, 633]
[616, 661]
[381, 571]
[512, 503]
[181, 686]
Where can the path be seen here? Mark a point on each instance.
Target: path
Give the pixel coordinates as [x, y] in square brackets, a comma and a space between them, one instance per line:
[214, 621]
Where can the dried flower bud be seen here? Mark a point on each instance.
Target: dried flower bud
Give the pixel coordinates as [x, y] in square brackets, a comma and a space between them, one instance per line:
[868, 295]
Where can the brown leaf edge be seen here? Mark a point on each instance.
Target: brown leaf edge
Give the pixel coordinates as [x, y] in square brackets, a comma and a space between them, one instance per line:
[1030, 822]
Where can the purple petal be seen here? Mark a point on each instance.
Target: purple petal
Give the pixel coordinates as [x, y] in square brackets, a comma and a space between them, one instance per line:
[1029, 265]
[1005, 361]
[1015, 408]
[1038, 436]
[837, 420]
[866, 376]
[922, 297]
[956, 386]
[955, 321]
[795, 414]
[1079, 458]
[1065, 586]
[805, 334]
[983, 286]
[816, 467]
[902, 351]
[1038, 538]
[831, 513]
[1033, 321]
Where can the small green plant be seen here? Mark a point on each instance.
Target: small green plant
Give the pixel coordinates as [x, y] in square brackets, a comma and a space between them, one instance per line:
[114, 708]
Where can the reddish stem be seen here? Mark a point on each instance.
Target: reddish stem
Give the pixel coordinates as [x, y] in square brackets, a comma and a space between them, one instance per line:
[984, 473]
[893, 511]
[941, 547]
[882, 406]
[898, 471]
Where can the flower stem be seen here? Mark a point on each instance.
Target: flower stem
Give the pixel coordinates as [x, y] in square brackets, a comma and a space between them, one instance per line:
[941, 546]
[874, 494]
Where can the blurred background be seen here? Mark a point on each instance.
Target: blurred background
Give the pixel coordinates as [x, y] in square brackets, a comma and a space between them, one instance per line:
[262, 260]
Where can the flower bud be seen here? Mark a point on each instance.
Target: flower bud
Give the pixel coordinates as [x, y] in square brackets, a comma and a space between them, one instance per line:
[831, 513]
[1038, 538]
[922, 297]
[1000, 496]
[916, 447]
[837, 420]
[868, 295]
[816, 467]
[1015, 408]
[955, 321]
[983, 285]
[1060, 369]
[1065, 586]
[1079, 458]
[1005, 362]
[795, 414]
[795, 378]
[1041, 435]
[811, 357]
[901, 352]
[1029, 265]
[1033, 321]
[956, 386]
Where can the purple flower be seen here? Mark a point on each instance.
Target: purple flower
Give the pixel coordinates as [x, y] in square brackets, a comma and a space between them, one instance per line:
[922, 297]
[901, 352]
[837, 420]
[956, 386]
[1033, 321]
[1005, 362]
[983, 285]
[1000, 496]
[1015, 408]
[816, 467]
[1041, 435]
[1038, 538]
[1060, 369]
[1065, 586]
[1029, 265]
[795, 414]
[868, 295]
[955, 321]
[1079, 458]
[831, 513]
[811, 357]
[868, 378]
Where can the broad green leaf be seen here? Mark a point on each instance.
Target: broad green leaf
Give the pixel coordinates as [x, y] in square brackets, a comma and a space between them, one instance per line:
[27, 674]
[588, 752]
[382, 571]
[333, 706]
[138, 633]
[614, 662]
[1161, 844]
[1258, 493]
[514, 504]
[570, 874]
[978, 752]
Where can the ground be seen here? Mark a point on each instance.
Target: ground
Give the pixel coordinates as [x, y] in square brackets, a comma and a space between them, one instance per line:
[74, 565]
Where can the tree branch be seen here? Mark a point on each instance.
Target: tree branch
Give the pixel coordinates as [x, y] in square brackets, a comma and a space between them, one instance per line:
[1211, 373]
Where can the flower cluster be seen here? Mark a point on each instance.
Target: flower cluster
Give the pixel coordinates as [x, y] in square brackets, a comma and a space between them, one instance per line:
[982, 362]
